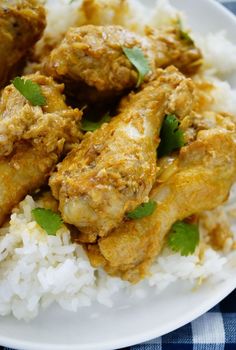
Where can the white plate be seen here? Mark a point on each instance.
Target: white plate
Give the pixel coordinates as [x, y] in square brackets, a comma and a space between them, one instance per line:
[129, 322]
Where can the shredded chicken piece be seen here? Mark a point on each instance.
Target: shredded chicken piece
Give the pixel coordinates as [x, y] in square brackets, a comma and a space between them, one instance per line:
[113, 169]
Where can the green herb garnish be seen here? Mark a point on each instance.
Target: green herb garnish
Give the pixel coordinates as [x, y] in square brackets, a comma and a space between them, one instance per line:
[50, 221]
[183, 238]
[30, 90]
[88, 125]
[172, 137]
[183, 34]
[144, 209]
[139, 61]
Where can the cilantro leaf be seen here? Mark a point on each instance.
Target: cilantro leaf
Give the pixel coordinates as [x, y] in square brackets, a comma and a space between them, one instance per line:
[30, 90]
[144, 209]
[139, 61]
[183, 238]
[183, 34]
[50, 221]
[171, 136]
[88, 125]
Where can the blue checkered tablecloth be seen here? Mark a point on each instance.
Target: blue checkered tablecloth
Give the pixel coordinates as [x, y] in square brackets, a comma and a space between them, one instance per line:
[230, 4]
[215, 330]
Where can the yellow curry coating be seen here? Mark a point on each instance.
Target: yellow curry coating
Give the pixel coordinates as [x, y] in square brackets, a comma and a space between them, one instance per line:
[32, 138]
[113, 169]
[91, 62]
[21, 24]
[198, 179]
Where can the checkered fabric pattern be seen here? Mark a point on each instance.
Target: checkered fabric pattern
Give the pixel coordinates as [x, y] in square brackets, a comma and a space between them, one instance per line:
[215, 330]
[230, 4]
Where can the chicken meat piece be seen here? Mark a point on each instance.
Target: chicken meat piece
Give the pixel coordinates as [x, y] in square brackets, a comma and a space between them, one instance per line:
[172, 47]
[91, 61]
[21, 24]
[113, 169]
[32, 139]
[198, 179]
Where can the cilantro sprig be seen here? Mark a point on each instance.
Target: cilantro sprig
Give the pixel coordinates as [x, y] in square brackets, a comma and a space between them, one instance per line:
[143, 210]
[183, 238]
[139, 61]
[172, 138]
[88, 125]
[30, 90]
[50, 221]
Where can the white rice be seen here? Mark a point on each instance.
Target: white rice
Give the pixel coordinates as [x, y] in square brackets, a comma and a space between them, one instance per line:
[131, 14]
[37, 269]
[61, 14]
[218, 52]
[224, 96]
[164, 15]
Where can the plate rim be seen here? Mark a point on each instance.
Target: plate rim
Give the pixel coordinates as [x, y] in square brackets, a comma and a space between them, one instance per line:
[129, 340]
[145, 335]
